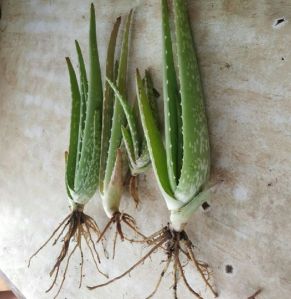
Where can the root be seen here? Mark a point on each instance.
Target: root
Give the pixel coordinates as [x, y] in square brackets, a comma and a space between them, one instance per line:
[254, 296]
[130, 269]
[202, 268]
[118, 219]
[172, 243]
[160, 279]
[175, 273]
[133, 189]
[48, 240]
[76, 227]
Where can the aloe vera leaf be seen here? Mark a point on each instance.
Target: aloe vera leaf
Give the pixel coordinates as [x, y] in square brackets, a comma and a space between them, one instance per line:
[171, 102]
[66, 179]
[84, 96]
[74, 128]
[94, 104]
[128, 145]
[130, 117]
[89, 186]
[196, 156]
[108, 101]
[153, 137]
[152, 95]
[118, 116]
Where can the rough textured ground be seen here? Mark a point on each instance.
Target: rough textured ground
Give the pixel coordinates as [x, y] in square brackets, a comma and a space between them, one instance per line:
[245, 62]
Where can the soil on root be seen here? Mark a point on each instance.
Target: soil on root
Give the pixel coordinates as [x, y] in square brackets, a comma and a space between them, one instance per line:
[174, 244]
[117, 220]
[74, 229]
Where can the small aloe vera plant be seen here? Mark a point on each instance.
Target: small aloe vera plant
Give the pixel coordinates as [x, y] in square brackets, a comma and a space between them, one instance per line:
[133, 138]
[113, 162]
[181, 164]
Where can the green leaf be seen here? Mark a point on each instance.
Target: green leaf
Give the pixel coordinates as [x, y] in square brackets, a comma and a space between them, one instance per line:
[152, 95]
[196, 156]
[173, 138]
[66, 179]
[108, 102]
[154, 139]
[128, 145]
[95, 97]
[90, 184]
[130, 117]
[74, 129]
[118, 115]
[84, 98]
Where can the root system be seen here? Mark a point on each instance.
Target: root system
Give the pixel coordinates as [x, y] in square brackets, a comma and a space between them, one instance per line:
[174, 244]
[118, 219]
[74, 229]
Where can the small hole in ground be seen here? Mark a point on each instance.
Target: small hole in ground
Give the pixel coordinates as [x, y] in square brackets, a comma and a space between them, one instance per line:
[228, 269]
[282, 58]
[279, 21]
[205, 206]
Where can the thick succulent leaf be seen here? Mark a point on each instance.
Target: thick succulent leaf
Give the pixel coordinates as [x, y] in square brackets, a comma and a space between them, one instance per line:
[74, 129]
[84, 97]
[130, 117]
[126, 137]
[152, 95]
[88, 188]
[94, 105]
[66, 179]
[196, 157]
[154, 140]
[118, 115]
[173, 138]
[108, 101]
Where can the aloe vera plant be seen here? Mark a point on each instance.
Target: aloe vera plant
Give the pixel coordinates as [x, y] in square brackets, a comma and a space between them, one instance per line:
[114, 165]
[134, 140]
[181, 164]
[89, 129]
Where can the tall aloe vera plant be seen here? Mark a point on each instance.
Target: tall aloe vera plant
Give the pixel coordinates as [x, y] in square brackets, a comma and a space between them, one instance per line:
[181, 164]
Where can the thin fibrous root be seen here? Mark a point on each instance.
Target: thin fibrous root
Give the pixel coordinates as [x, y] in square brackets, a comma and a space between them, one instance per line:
[133, 189]
[117, 219]
[205, 274]
[76, 227]
[172, 243]
[130, 269]
[162, 275]
[254, 296]
[175, 285]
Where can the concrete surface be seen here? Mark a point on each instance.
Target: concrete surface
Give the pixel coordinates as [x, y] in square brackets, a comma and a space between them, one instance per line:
[246, 68]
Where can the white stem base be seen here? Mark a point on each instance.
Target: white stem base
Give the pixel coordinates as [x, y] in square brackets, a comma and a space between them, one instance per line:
[110, 204]
[176, 223]
[180, 217]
